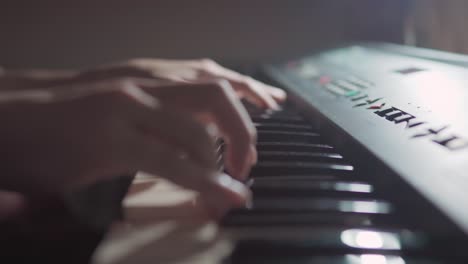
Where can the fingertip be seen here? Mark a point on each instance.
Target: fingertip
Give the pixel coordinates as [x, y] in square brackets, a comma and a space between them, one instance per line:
[274, 105]
[239, 161]
[268, 102]
[229, 193]
[253, 155]
[244, 172]
[238, 193]
[277, 93]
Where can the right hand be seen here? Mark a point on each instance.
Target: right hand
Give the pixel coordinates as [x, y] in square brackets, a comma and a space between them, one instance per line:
[56, 142]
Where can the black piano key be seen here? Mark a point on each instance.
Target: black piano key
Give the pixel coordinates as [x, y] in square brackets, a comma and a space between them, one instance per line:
[288, 136]
[284, 127]
[272, 119]
[303, 204]
[299, 156]
[242, 217]
[281, 114]
[299, 177]
[283, 111]
[303, 168]
[356, 205]
[294, 146]
[261, 187]
[310, 241]
[310, 185]
[303, 240]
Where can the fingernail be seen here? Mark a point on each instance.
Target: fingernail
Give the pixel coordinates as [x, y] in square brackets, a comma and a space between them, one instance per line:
[278, 93]
[236, 187]
[275, 106]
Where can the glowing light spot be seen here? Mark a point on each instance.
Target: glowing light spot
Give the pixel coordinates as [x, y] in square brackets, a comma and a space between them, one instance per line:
[368, 239]
[373, 259]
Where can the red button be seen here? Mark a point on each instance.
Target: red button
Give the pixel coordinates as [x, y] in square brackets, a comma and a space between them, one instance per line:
[325, 79]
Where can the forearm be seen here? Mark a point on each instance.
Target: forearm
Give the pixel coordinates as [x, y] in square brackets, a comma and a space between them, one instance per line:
[29, 79]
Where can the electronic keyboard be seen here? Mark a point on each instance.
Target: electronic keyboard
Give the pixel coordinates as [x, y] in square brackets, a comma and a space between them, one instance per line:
[366, 163]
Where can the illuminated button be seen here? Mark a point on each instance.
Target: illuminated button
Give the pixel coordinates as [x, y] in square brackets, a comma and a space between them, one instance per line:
[352, 93]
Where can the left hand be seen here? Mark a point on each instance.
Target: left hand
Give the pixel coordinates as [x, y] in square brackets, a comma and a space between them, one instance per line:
[191, 71]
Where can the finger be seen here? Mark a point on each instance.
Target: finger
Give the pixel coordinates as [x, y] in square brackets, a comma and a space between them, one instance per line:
[254, 93]
[173, 164]
[160, 159]
[219, 101]
[278, 94]
[189, 137]
[254, 90]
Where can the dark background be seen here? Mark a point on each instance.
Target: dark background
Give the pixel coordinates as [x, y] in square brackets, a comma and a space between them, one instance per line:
[83, 33]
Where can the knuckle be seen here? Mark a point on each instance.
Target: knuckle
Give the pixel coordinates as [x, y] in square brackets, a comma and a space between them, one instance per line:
[248, 80]
[208, 64]
[206, 61]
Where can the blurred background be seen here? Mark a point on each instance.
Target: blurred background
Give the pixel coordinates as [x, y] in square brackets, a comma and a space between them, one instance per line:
[74, 34]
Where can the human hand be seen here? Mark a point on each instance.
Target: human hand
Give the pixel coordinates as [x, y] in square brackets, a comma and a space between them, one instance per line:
[190, 71]
[179, 71]
[57, 141]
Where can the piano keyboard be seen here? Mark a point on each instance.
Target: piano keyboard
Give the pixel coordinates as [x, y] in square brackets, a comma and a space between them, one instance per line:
[313, 204]
[310, 206]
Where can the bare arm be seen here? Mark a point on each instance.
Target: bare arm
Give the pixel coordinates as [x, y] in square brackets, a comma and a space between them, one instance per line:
[33, 78]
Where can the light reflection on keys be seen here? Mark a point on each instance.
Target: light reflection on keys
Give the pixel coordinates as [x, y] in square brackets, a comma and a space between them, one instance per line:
[305, 203]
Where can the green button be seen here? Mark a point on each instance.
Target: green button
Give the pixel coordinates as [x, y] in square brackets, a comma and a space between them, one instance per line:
[352, 93]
